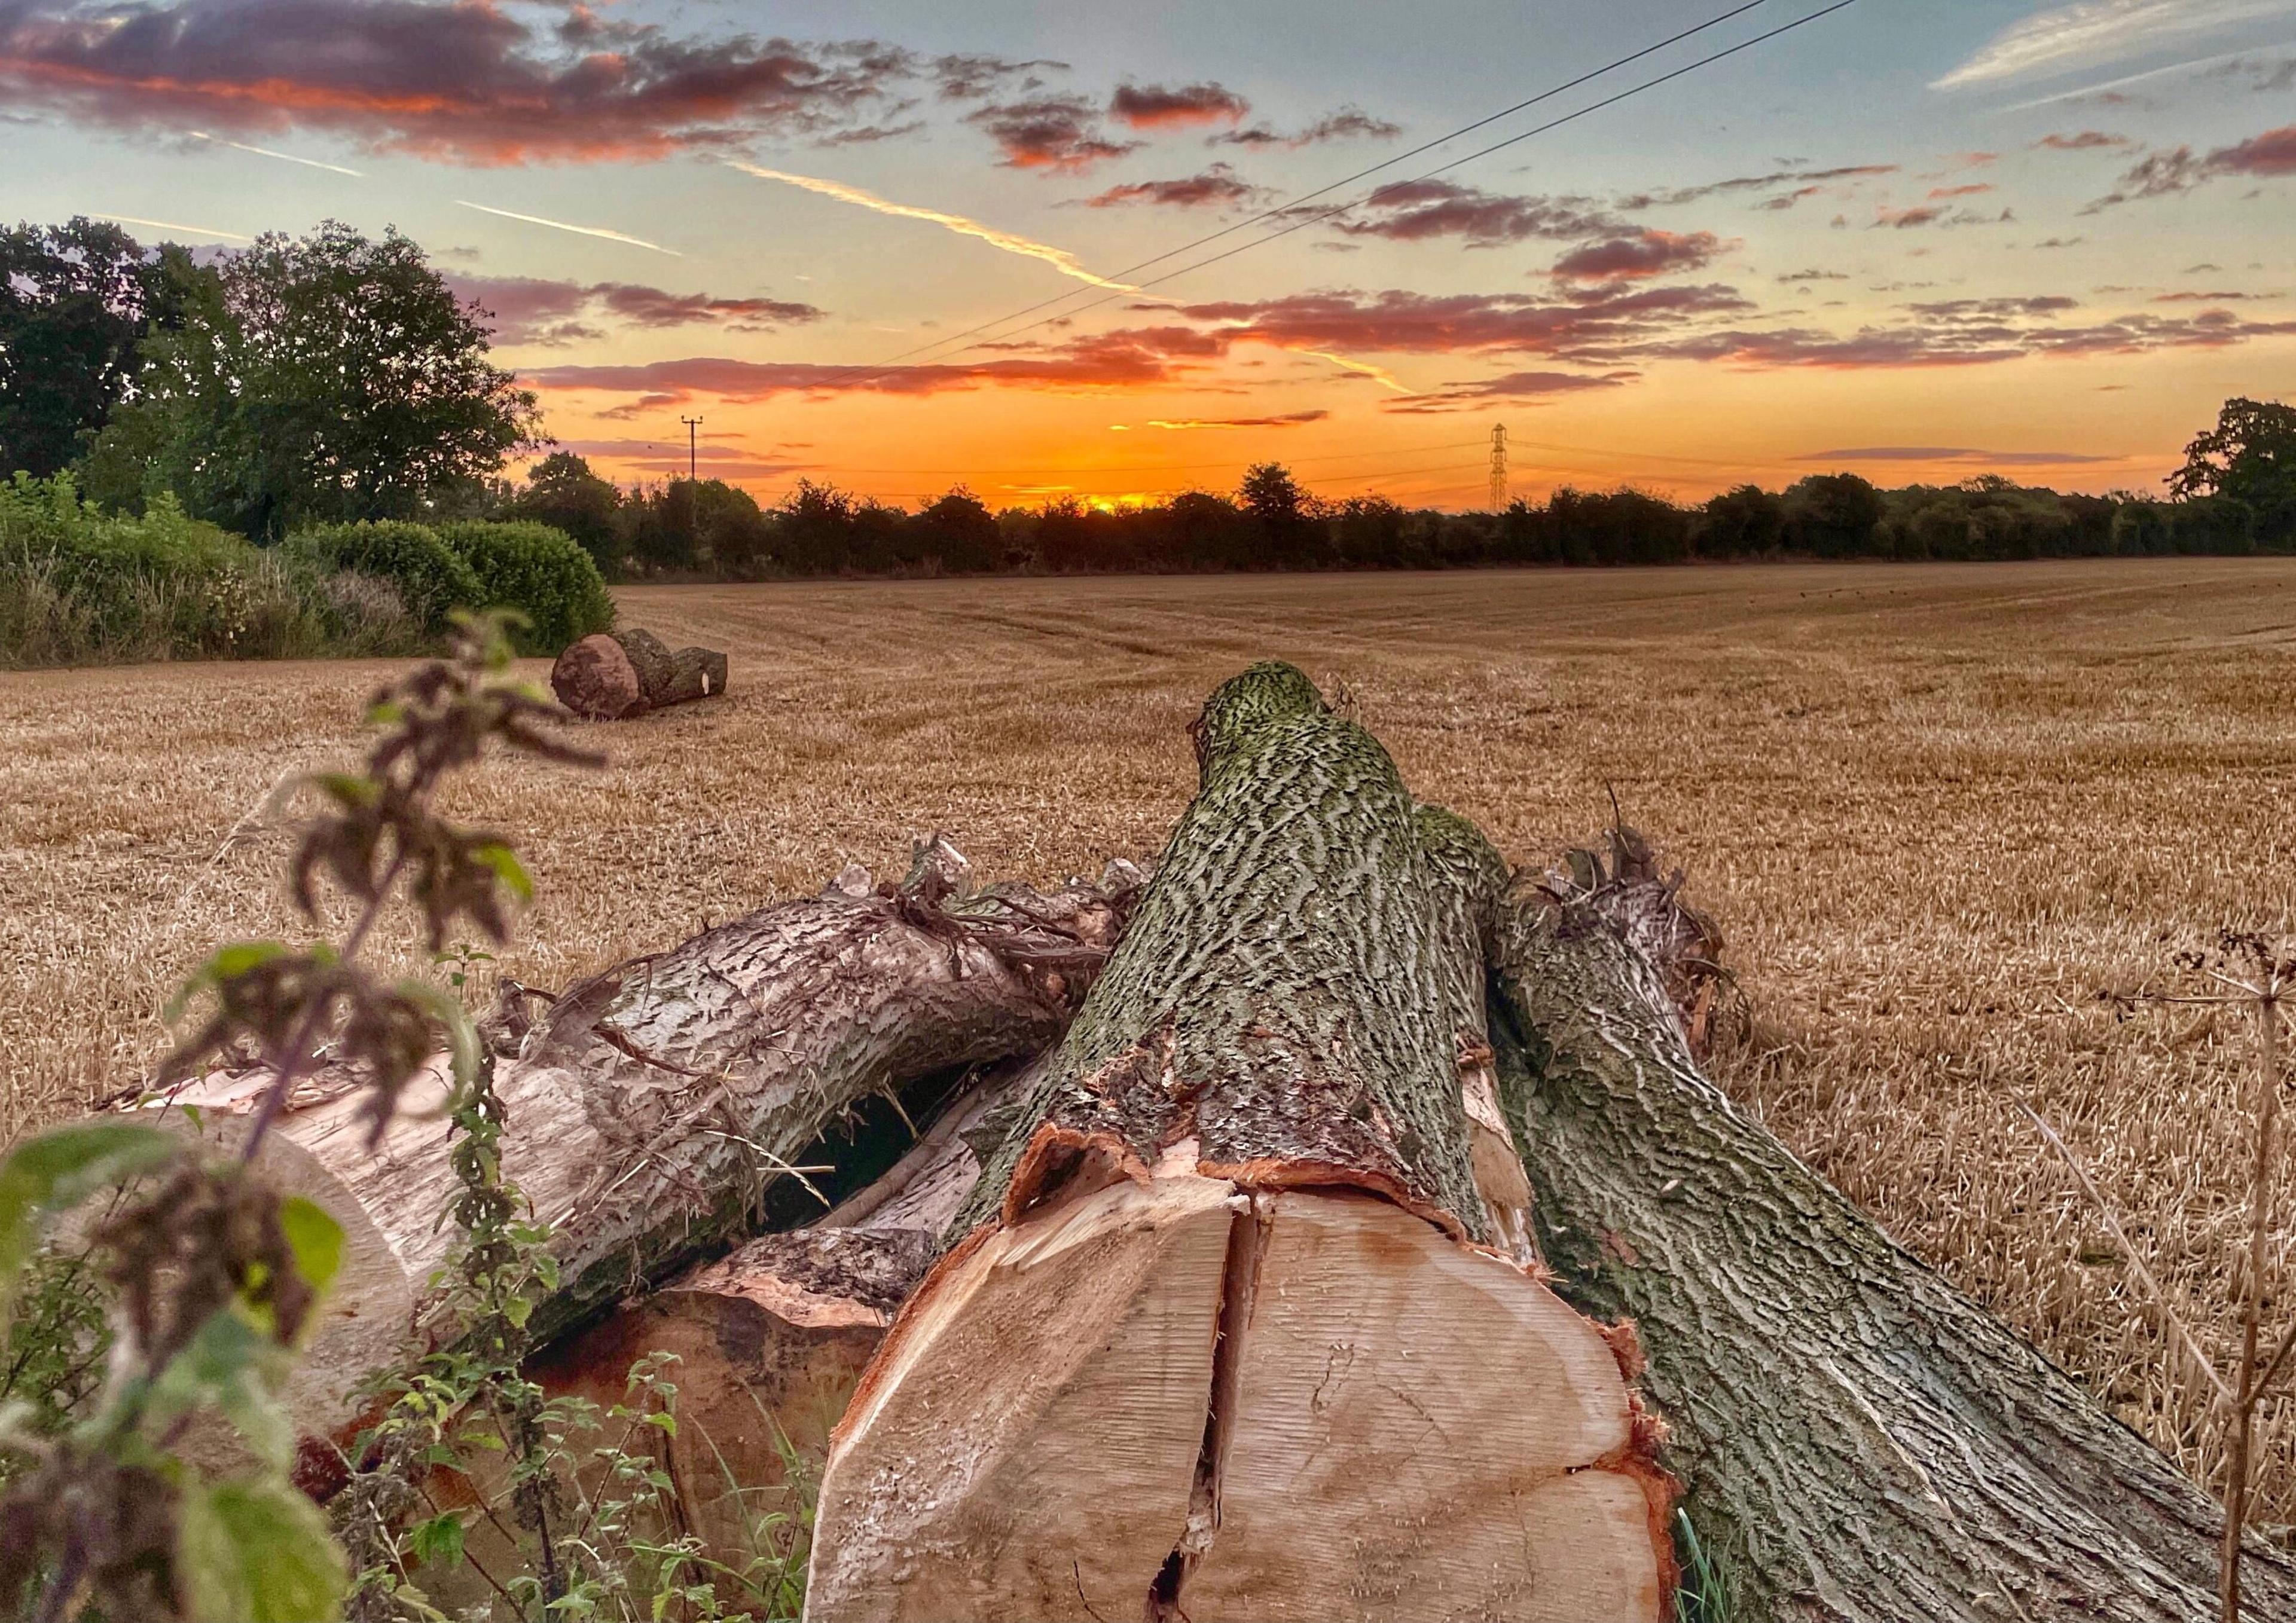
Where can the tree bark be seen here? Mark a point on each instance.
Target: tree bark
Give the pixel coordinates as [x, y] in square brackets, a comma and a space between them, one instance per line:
[1216, 1341]
[665, 677]
[693, 673]
[614, 675]
[1858, 1441]
[769, 1341]
[650, 1108]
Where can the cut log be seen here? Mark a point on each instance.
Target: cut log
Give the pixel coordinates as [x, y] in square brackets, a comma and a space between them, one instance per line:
[650, 1108]
[671, 679]
[693, 673]
[614, 675]
[1858, 1441]
[595, 679]
[769, 1343]
[1218, 1340]
[648, 655]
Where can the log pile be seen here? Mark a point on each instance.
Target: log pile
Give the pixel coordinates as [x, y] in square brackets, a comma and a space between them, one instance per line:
[653, 1107]
[617, 674]
[1332, 1226]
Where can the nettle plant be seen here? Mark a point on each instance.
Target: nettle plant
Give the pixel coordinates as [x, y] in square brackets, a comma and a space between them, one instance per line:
[193, 1278]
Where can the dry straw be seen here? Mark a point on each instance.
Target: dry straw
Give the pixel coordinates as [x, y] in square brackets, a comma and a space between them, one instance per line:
[1932, 808]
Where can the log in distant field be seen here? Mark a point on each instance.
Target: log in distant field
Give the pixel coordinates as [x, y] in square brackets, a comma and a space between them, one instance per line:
[616, 675]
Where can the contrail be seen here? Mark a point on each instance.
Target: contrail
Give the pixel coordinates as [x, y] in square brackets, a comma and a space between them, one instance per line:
[1058, 259]
[264, 152]
[2138, 78]
[584, 231]
[197, 231]
[1378, 374]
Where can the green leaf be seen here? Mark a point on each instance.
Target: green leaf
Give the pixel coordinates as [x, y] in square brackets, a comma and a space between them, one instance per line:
[226, 963]
[235, 1366]
[438, 1542]
[257, 1552]
[315, 1238]
[58, 1170]
[507, 868]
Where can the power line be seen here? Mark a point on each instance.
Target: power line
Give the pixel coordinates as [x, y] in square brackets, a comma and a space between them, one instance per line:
[1275, 210]
[1317, 217]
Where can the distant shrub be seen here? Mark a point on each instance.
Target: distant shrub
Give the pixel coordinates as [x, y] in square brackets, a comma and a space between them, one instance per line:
[433, 578]
[542, 572]
[80, 586]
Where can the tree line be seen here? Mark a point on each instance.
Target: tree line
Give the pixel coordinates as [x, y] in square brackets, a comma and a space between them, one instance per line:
[688, 530]
[336, 378]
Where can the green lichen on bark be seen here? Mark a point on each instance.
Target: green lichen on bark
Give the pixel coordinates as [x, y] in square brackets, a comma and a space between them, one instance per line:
[1858, 1442]
[1281, 994]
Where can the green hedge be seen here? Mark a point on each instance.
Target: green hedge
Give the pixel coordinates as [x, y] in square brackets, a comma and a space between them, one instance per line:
[80, 586]
[542, 572]
[429, 575]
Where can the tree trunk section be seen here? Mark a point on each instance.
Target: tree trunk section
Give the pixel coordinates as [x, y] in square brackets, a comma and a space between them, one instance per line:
[595, 678]
[1858, 1441]
[614, 675]
[652, 1107]
[667, 677]
[693, 673]
[1217, 1339]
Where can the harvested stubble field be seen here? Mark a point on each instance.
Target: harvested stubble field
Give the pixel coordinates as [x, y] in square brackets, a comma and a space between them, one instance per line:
[1935, 809]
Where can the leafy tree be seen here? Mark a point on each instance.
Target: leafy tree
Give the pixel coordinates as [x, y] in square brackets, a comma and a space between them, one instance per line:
[1741, 523]
[2248, 457]
[1833, 515]
[1208, 531]
[816, 523]
[321, 379]
[76, 300]
[1282, 511]
[562, 492]
[957, 532]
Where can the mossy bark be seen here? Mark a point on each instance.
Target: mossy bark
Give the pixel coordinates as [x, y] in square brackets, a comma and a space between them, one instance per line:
[1211, 1341]
[1286, 996]
[1858, 1441]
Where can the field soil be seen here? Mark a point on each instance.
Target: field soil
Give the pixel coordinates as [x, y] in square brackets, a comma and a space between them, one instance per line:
[1937, 810]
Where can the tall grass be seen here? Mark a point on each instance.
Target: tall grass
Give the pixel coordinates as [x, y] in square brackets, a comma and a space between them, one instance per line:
[80, 586]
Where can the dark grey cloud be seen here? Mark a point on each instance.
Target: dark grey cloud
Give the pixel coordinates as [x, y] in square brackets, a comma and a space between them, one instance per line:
[1176, 106]
[1215, 186]
[463, 82]
[2270, 156]
[1415, 210]
[538, 310]
[1061, 133]
[1348, 124]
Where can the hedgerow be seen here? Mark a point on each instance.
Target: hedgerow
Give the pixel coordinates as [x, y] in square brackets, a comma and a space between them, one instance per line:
[80, 586]
[541, 572]
[432, 577]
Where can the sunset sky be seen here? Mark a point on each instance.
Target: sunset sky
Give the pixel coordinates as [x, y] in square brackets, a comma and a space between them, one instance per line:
[1916, 238]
